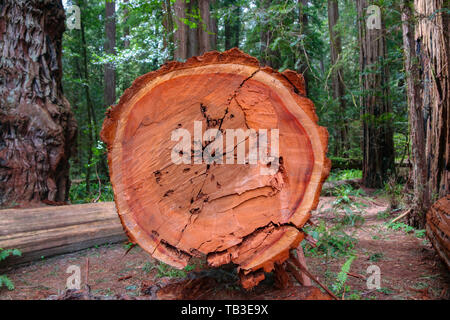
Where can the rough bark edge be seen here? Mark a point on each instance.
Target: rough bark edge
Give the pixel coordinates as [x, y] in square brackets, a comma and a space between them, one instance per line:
[438, 228]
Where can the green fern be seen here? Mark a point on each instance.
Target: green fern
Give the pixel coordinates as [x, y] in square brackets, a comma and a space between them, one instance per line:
[5, 253]
[342, 275]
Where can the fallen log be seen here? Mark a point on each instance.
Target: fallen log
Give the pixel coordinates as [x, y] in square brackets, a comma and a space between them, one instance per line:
[48, 231]
[181, 193]
[438, 228]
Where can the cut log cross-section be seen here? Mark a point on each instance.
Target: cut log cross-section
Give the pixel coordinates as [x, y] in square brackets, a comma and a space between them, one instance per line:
[248, 212]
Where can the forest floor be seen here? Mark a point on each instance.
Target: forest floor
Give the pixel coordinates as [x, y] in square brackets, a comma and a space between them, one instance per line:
[347, 225]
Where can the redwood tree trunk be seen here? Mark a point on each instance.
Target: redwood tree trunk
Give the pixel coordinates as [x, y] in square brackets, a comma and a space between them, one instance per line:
[378, 143]
[181, 34]
[232, 25]
[337, 77]
[269, 57]
[168, 26]
[193, 42]
[110, 44]
[126, 28]
[205, 28]
[303, 22]
[425, 38]
[188, 41]
[37, 127]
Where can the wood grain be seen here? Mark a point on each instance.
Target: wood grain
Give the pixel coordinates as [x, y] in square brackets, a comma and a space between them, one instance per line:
[49, 231]
[438, 228]
[224, 212]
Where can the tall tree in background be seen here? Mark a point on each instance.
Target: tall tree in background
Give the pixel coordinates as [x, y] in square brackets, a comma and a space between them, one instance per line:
[181, 33]
[168, 26]
[337, 76]
[110, 45]
[37, 127]
[426, 47]
[232, 24]
[206, 34]
[193, 43]
[195, 33]
[378, 144]
[83, 73]
[269, 56]
[126, 28]
[303, 23]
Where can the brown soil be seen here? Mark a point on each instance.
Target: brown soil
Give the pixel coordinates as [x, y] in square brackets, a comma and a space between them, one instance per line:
[410, 269]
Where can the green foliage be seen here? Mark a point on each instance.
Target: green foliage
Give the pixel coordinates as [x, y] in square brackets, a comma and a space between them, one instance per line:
[351, 208]
[342, 276]
[344, 192]
[164, 270]
[79, 194]
[345, 174]
[385, 291]
[5, 253]
[383, 215]
[419, 233]
[376, 256]
[331, 241]
[400, 226]
[148, 267]
[129, 245]
[6, 282]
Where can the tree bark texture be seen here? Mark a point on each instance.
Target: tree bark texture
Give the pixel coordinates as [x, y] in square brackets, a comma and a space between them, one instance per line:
[189, 41]
[232, 25]
[110, 45]
[37, 127]
[181, 33]
[338, 85]
[303, 23]
[378, 142]
[426, 47]
[205, 28]
[168, 26]
[438, 228]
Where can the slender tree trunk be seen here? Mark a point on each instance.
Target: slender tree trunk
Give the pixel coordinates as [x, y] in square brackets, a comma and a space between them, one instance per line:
[233, 26]
[426, 47]
[337, 76]
[193, 34]
[37, 127]
[92, 121]
[378, 142]
[205, 27]
[213, 27]
[126, 28]
[110, 44]
[303, 22]
[181, 34]
[268, 57]
[168, 26]
[194, 41]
